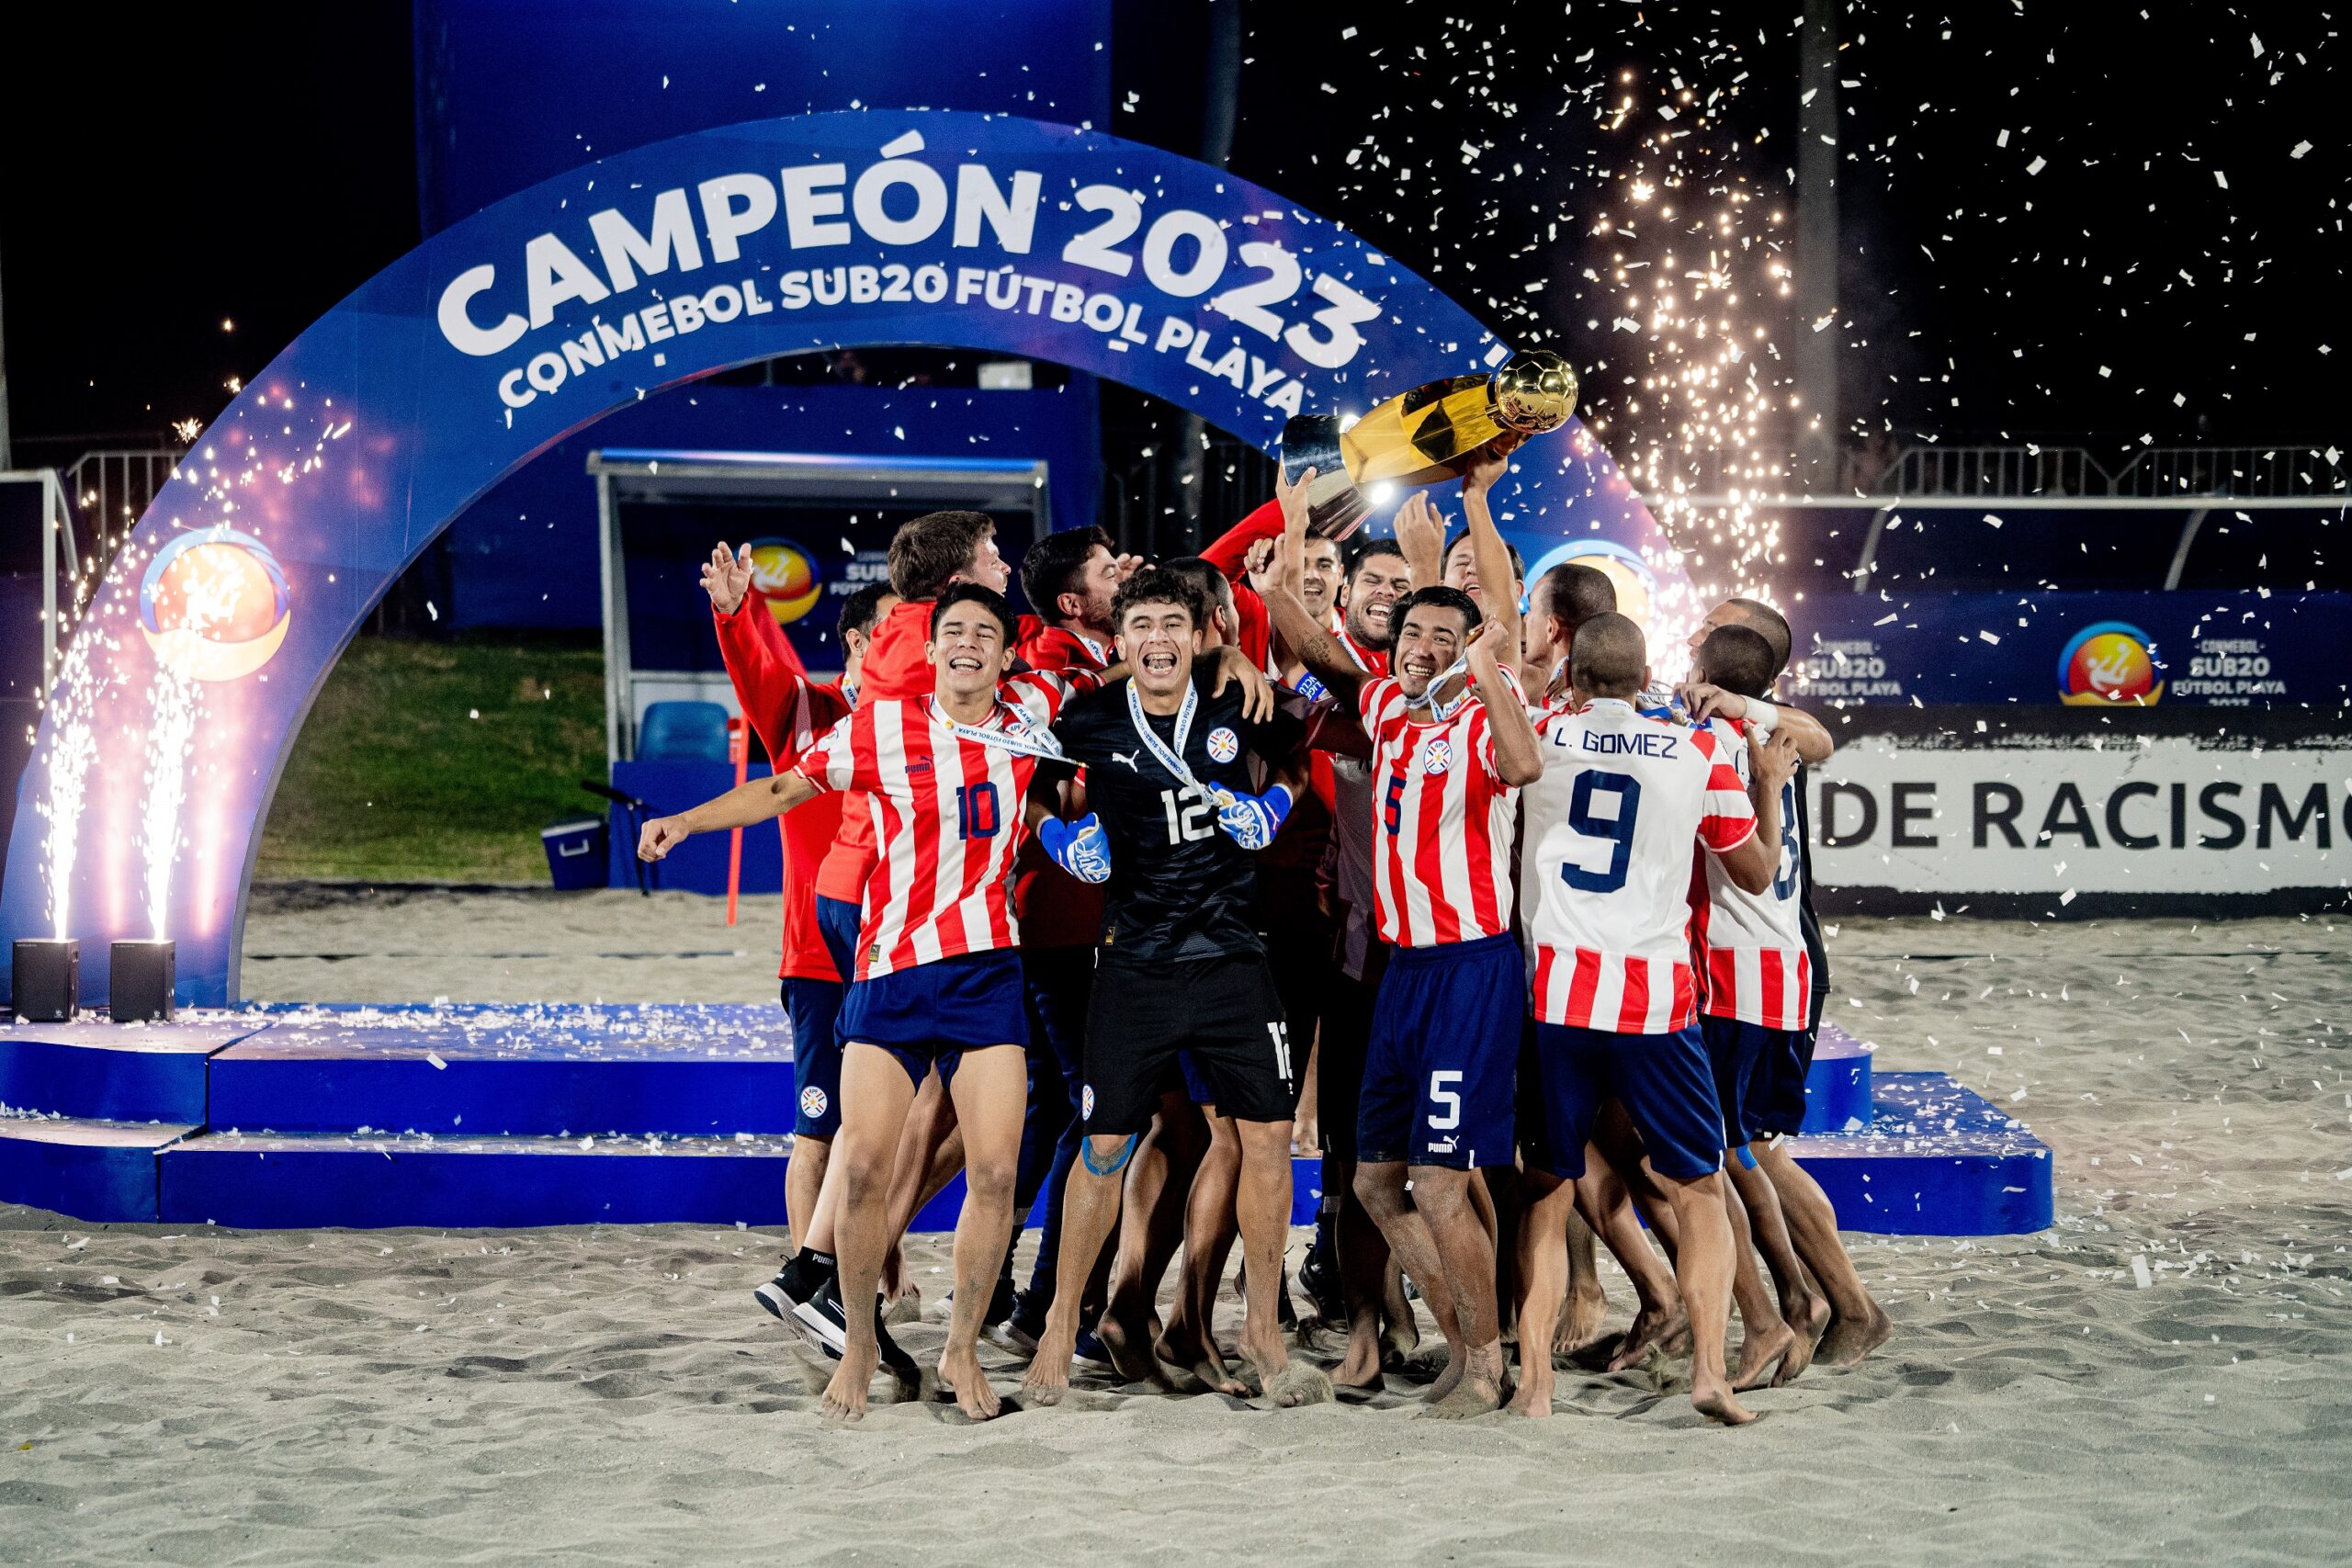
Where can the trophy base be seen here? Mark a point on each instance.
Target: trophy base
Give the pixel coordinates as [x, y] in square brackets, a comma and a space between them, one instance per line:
[1335, 508]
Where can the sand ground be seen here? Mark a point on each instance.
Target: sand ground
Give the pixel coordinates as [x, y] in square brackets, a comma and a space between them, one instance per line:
[610, 1395]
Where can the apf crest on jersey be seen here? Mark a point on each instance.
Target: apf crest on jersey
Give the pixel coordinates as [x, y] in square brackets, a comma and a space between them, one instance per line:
[1224, 745]
[1437, 756]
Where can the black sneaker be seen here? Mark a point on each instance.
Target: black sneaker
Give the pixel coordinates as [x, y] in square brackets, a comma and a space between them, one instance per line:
[1022, 1327]
[1320, 1278]
[820, 1319]
[795, 1282]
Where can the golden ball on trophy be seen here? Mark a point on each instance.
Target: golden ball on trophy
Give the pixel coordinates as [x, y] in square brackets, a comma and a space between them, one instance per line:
[1535, 393]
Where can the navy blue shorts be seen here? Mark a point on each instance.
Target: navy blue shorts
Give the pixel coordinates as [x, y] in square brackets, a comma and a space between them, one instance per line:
[1442, 1068]
[1663, 1080]
[1776, 1096]
[1749, 1060]
[931, 1014]
[814, 1007]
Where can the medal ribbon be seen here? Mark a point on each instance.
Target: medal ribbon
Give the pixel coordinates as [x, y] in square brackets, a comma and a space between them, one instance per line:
[1443, 711]
[1019, 733]
[1172, 761]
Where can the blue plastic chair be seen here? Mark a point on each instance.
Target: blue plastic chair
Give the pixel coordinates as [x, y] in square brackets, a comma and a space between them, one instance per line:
[683, 732]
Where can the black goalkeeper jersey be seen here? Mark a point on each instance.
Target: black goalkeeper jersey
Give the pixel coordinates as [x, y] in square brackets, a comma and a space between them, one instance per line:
[1179, 887]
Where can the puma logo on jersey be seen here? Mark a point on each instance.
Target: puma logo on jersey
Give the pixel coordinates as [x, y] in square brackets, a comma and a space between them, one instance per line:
[1129, 758]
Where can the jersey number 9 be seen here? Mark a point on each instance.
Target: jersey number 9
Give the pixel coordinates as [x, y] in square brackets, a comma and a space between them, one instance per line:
[1617, 830]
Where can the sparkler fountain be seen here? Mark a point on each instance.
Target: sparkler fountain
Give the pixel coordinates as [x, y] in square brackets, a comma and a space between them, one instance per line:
[47, 979]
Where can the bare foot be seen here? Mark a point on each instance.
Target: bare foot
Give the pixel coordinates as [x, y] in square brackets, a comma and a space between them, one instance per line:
[1808, 1318]
[1297, 1382]
[1448, 1380]
[845, 1395]
[1358, 1370]
[905, 1307]
[1127, 1339]
[1047, 1377]
[1397, 1343]
[1664, 1330]
[1480, 1389]
[1533, 1399]
[1760, 1350]
[1714, 1401]
[960, 1374]
[1584, 1317]
[1199, 1360]
[1850, 1339]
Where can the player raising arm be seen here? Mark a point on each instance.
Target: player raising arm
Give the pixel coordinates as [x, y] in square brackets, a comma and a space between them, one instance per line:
[1606, 870]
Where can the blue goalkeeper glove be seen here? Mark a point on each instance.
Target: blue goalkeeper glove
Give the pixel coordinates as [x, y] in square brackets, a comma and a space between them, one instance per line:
[1077, 847]
[1253, 820]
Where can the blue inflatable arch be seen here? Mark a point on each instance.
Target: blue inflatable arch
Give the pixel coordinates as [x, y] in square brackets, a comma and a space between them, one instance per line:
[515, 328]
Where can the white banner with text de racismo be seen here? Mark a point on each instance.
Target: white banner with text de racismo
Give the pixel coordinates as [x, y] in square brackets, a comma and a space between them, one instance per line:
[2065, 815]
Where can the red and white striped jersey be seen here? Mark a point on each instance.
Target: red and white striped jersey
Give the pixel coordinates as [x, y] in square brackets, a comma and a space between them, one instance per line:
[1442, 820]
[1606, 863]
[947, 813]
[1750, 945]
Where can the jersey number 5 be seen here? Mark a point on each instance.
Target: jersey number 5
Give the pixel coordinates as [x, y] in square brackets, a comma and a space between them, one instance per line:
[1617, 830]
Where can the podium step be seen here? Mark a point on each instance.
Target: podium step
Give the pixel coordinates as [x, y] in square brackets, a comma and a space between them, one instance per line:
[94, 1069]
[98, 1170]
[1838, 1091]
[677, 1071]
[303, 1180]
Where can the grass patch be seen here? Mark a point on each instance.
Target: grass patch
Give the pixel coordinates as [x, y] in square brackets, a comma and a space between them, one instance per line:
[395, 779]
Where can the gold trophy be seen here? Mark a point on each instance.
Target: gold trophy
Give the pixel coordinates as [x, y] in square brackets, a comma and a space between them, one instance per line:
[1423, 435]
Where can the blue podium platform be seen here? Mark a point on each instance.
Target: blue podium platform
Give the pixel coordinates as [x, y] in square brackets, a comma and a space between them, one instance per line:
[93, 1169]
[542, 1115]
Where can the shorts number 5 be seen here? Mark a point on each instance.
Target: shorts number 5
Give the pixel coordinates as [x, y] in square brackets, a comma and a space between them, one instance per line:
[1448, 1101]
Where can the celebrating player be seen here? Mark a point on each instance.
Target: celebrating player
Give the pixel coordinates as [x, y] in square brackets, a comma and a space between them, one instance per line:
[1168, 779]
[937, 981]
[1794, 1221]
[1441, 1065]
[789, 712]
[1606, 870]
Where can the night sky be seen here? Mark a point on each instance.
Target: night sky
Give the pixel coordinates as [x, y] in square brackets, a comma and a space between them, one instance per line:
[2156, 249]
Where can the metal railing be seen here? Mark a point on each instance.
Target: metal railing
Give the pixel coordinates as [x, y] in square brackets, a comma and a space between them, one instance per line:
[110, 489]
[2029, 473]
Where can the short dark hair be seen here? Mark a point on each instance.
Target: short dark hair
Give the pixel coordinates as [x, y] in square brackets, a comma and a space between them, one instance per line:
[926, 554]
[1158, 585]
[1608, 651]
[987, 598]
[1436, 596]
[1518, 561]
[1573, 592]
[1739, 659]
[1054, 564]
[1773, 626]
[1215, 590]
[861, 609]
[1364, 551]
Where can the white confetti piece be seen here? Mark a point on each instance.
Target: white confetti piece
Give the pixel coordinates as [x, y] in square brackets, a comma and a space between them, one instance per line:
[2038, 164]
[2140, 1271]
[438, 1065]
